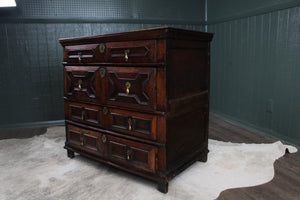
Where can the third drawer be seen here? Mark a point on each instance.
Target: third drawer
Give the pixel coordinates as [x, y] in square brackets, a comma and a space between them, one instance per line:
[137, 124]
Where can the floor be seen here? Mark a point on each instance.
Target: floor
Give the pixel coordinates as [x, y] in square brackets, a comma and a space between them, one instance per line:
[286, 183]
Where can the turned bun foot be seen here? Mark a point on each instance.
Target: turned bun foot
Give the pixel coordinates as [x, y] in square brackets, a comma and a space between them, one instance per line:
[203, 158]
[163, 186]
[70, 154]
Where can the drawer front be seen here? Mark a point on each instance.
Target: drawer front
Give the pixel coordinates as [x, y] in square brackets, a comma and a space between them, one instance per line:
[133, 123]
[82, 84]
[131, 87]
[84, 53]
[85, 140]
[131, 52]
[83, 113]
[132, 154]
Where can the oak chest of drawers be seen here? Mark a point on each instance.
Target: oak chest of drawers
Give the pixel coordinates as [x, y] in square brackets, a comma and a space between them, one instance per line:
[138, 100]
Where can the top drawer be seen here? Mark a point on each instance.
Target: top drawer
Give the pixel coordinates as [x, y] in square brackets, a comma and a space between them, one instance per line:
[112, 52]
[86, 53]
[131, 52]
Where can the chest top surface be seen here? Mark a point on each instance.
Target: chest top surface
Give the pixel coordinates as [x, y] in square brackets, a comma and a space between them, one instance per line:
[143, 34]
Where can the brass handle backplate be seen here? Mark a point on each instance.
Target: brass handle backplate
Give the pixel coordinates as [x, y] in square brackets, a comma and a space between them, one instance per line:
[127, 85]
[103, 139]
[128, 154]
[129, 124]
[79, 84]
[126, 52]
[101, 48]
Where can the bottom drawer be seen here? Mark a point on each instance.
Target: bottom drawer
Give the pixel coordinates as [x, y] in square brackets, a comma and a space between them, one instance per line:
[85, 140]
[132, 154]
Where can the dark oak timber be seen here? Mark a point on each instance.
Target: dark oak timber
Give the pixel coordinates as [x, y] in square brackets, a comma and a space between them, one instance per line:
[138, 100]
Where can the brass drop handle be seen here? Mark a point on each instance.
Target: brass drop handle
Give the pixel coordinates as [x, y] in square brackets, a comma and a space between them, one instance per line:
[79, 56]
[81, 141]
[127, 85]
[126, 52]
[79, 84]
[128, 154]
[129, 124]
[103, 139]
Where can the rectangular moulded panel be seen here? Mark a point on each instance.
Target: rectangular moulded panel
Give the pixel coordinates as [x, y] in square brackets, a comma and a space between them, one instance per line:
[82, 83]
[85, 113]
[134, 123]
[130, 153]
[131, 52]
[86, 53]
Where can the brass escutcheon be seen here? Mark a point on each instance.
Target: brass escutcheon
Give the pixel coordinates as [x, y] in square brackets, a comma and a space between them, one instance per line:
[104, 139]
[105, 110]
[102, 72]
[101, 48]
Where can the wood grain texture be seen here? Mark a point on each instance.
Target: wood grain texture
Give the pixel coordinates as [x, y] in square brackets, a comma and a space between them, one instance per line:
[41, 90]
[153, 116]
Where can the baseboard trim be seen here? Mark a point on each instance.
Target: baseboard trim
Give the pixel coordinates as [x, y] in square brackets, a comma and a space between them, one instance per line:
[255, 128]
[33, 124]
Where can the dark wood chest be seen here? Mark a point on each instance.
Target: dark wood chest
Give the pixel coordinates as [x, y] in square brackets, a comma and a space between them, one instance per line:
[138, 100]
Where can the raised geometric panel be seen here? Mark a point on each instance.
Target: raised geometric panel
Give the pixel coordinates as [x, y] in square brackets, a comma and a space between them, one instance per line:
[117, 87]
[82, 83]
[87, 85]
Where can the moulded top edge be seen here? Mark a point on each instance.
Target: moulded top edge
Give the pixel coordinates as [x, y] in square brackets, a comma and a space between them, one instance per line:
[142, 34]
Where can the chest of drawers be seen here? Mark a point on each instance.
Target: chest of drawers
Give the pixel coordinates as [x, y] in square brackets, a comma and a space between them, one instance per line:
[138, 100]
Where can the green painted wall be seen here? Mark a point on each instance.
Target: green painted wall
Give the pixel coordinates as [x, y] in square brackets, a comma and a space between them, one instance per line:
[255, 73]
[30, 56]
[255, 65]
[138, 11]
[233, 9]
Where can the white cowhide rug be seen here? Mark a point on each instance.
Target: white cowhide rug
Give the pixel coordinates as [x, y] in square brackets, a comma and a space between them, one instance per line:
[38, 169]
